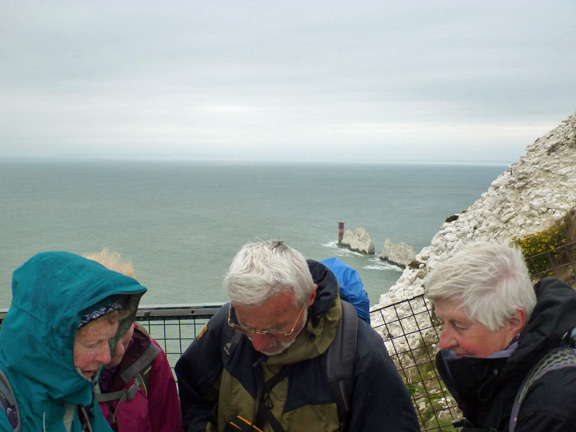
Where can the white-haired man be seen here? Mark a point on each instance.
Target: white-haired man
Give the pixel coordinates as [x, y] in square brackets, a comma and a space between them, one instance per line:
[286, 313]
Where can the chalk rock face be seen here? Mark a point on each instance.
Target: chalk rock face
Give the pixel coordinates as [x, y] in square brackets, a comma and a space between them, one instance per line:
[400, 254]
[534, 193]
[358, 241]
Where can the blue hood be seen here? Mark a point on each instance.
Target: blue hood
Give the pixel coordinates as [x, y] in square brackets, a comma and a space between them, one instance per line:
[351, 286]
[51, 292]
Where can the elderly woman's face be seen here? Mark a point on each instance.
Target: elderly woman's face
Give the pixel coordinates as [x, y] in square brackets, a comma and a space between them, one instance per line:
[469, 338]
[91, 344]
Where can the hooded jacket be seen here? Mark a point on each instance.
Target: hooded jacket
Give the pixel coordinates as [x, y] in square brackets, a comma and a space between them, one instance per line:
[213, 394]
[51, 293]
[485, 388]
[154, 406]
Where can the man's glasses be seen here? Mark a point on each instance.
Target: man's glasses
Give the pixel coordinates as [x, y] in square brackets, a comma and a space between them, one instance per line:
[233, 322]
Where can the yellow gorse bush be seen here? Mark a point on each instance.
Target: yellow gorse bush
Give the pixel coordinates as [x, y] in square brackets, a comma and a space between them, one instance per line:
[539, 249]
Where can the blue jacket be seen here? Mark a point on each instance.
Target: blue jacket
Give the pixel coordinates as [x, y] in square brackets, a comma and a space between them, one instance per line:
[51, 292]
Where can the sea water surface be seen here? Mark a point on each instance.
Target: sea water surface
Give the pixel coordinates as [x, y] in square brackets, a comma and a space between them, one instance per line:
[181, 222]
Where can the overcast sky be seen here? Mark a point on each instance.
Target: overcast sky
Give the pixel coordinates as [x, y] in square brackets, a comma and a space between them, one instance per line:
[305, 80]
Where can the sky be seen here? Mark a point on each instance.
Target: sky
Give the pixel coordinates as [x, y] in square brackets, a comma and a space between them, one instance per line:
[363, 81]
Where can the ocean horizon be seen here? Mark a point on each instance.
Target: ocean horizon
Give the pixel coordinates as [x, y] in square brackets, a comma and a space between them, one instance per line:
[181, 222]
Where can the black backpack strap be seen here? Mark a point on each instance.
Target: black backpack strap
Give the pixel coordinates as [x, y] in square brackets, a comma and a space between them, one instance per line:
[473, 429]
[340, 359]
[8, 401]
[264, 414]
[556, 359]
[462, 425]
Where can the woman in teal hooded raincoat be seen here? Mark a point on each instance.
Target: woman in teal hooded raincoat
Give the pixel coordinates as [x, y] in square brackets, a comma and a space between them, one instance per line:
[53, 295]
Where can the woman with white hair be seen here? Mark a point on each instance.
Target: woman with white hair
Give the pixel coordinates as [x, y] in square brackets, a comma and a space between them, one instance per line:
[497, 327]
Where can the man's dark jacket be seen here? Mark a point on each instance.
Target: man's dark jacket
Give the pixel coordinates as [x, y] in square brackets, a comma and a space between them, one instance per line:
[210, 393]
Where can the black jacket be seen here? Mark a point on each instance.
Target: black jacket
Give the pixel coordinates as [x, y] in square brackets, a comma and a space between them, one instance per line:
[485, 388]
[211, 392]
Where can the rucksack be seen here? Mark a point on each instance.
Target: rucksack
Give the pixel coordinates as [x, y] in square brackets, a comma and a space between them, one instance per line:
[339, 359]
[556, 359]
[8, 401]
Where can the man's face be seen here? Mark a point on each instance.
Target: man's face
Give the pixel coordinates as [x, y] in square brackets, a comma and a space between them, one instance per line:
[91, 344]
[273, 326]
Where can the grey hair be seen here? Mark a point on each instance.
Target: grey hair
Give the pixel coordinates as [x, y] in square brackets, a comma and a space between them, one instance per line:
[261, 270]
[490, 280]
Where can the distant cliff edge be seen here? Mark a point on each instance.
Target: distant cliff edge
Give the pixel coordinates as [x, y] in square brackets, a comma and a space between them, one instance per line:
[534, 193]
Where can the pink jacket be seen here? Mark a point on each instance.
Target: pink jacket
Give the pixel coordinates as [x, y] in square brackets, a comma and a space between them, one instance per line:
[154, 407]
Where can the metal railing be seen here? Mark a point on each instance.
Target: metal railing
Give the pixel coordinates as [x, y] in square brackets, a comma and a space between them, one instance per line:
[175, 327]
[411, 334]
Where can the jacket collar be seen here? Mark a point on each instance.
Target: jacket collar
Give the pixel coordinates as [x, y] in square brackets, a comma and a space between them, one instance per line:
[326, 293]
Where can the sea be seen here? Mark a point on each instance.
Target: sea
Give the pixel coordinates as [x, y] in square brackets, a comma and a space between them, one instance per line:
[180, 223]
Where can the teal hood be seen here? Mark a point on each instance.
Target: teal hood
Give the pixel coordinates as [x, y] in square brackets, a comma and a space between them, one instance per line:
[51, 293]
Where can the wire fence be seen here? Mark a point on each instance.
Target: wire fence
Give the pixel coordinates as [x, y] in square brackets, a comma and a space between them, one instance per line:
[175, 327]
[559, 262]
[411, 334]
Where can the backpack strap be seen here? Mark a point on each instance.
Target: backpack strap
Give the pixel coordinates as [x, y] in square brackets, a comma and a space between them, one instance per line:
[142, 364]
[136, 364]
[462, 425]
[138, 370]
[559, 358]
[8, 401]
[264, 413]
[120, 395]
[340, 358]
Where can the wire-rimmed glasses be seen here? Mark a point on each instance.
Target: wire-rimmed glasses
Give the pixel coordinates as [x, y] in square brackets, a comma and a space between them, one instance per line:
[232, 322]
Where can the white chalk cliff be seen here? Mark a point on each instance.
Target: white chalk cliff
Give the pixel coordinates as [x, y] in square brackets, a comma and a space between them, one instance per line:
[534, 193]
